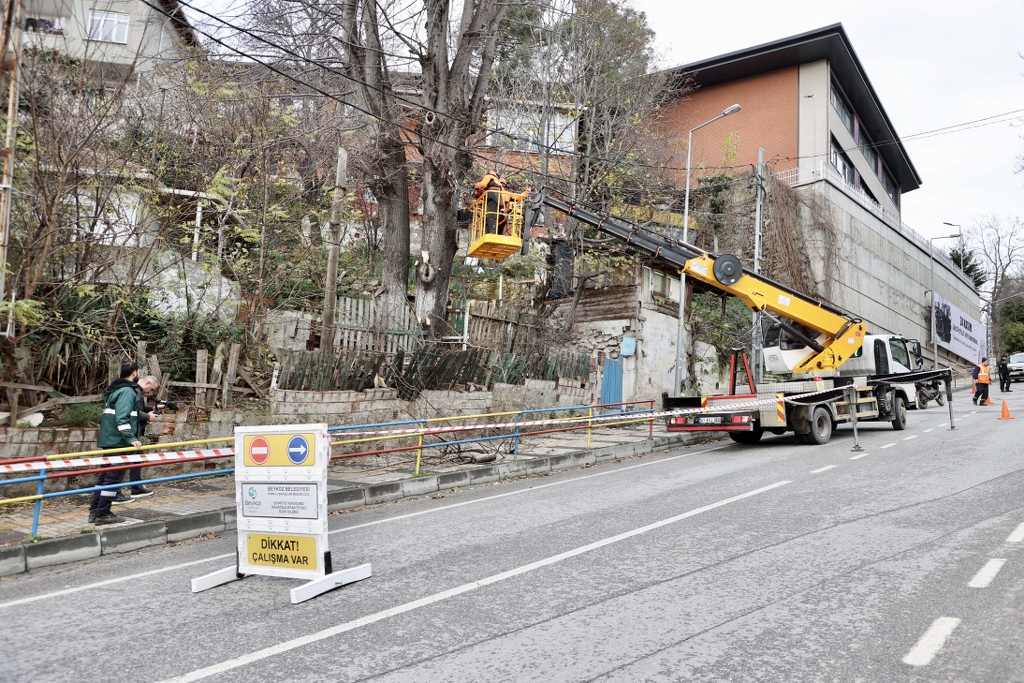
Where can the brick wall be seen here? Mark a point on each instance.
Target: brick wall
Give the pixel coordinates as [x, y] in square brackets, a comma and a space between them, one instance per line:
[769, 119]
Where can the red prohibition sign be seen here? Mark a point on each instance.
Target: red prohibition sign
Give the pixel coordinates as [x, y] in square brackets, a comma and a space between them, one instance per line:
[259, 450]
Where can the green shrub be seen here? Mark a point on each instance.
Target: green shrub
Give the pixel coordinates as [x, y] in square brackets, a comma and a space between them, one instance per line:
[83, 414]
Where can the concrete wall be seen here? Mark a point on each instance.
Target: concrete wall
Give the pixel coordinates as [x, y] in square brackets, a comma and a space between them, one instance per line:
[885, 274]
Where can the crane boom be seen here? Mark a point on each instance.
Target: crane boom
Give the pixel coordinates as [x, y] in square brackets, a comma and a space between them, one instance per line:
[840, 333]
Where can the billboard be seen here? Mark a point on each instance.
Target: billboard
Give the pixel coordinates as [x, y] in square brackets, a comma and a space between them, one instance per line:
[957, 332]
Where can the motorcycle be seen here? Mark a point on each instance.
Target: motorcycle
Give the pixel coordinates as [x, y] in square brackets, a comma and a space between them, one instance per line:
[930, 391]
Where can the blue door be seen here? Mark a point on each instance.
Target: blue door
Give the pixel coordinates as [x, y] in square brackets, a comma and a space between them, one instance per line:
[611, 387]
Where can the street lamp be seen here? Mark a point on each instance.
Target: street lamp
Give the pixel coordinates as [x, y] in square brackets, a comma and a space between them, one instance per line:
[931, 253]
[960, 246]
[686, 236]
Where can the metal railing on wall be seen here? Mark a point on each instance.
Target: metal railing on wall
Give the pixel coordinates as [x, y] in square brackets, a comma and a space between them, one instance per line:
[514, 426]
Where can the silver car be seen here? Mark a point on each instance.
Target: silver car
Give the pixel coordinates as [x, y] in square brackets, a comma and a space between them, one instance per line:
[1016, 365]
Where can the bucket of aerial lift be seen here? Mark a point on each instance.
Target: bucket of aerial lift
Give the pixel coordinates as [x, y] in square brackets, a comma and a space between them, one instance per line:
[496, 226]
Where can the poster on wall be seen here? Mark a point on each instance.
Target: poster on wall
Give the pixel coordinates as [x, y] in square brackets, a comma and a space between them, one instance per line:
[957, 332]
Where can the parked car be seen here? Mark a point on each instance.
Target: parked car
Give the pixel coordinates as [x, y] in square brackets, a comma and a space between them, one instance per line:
[1016, 364]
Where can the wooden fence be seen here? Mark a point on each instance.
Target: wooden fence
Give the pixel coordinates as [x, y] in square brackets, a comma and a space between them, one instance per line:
[360, 326]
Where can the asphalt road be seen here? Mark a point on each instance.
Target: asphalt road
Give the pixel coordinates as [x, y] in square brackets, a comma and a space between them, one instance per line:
[776, 562]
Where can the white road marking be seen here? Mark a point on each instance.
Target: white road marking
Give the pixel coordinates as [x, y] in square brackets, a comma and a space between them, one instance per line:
[288, 645]
[858, 457]
[985, 575]
[888, 445]
[973, 412]
[931, 642]
[912, 436]
[151, 572]
[942, 424]
[927, 430]
[822, 469]
[1017, 536]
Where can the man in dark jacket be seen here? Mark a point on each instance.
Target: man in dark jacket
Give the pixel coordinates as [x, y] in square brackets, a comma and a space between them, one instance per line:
[147, 386]
[1004, 374]
[119, 427]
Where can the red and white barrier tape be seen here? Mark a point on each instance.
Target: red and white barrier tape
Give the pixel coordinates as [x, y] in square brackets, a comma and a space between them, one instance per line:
[637, 417]
[99, 461]
[184, 456]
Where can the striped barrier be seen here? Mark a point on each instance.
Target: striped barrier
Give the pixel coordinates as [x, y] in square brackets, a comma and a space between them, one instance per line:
[165, 457]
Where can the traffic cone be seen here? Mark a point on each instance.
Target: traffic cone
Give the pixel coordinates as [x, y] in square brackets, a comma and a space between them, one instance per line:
[1006, 412]
[988, 401]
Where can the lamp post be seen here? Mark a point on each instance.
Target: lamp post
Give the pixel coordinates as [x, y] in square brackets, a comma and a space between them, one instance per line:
[961, 245]
[931, 253]
[686, 236]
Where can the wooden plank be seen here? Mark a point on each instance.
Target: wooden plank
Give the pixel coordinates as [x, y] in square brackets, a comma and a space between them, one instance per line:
[27, 387]
[248, 380]
[154, 369]
[202, 356]
[195, 385]
[62, 400]
[12, 400]
[216, 374]
[229, 376]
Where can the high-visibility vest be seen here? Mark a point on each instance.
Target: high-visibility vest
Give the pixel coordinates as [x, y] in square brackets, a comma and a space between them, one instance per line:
[983, 375]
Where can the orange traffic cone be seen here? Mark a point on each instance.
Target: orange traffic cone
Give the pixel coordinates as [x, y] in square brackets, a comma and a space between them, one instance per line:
[988, 401]
[1006, 412]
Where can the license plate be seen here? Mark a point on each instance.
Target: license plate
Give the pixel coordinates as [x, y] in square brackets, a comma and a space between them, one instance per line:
[709, 420]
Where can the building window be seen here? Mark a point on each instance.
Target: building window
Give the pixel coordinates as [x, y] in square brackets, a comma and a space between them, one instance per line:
[109, 27]
[842, 163]
[891, 188]
[53, 27]
[844, 110]
[868, 150]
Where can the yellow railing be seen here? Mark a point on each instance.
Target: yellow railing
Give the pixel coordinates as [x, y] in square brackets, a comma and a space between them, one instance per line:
[496, 229]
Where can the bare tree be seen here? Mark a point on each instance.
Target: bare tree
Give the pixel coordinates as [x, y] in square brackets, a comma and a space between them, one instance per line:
[1000, 244]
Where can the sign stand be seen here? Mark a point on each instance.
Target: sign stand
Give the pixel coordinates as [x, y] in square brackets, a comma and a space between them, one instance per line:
[281, 497]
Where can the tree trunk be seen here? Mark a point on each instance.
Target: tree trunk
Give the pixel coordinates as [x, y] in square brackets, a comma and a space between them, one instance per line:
[440, 242]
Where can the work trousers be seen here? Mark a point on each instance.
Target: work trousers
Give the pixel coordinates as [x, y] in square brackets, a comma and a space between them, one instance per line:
[981, 394]
[494, 218]
[102, 500]
[1004, 382]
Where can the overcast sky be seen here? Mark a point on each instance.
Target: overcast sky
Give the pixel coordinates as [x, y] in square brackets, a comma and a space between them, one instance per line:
[933, 63]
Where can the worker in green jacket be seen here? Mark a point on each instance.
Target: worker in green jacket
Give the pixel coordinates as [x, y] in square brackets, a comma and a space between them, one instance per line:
[118, 429]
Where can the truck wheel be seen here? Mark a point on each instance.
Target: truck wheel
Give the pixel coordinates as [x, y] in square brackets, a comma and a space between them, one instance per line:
[747, 437]
[922, 403]
[899, 422]
[821, 427]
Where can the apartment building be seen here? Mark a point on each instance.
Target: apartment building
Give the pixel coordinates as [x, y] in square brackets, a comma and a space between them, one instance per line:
[128, 35]
[808, 102]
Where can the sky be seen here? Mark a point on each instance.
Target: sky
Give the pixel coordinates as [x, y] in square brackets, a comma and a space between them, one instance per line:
[933, 64]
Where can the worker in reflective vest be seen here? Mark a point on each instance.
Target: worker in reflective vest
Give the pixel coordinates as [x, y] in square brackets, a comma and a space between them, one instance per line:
[982, 381]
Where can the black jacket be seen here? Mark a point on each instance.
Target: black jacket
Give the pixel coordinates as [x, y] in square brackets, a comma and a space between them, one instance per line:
[1004, 369]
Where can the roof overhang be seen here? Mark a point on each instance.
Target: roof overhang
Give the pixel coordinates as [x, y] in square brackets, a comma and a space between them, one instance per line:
[831, 43]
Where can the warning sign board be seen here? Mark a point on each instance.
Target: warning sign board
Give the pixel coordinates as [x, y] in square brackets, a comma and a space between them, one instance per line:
[281, 499]
[280, 550]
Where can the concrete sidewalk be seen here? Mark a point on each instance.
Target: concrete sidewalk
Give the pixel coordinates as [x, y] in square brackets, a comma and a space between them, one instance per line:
[184, 509]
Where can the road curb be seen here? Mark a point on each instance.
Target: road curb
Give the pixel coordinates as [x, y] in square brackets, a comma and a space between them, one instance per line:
[17, 559]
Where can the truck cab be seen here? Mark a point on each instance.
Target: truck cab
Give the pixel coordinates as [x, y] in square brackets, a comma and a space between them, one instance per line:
[880, 354]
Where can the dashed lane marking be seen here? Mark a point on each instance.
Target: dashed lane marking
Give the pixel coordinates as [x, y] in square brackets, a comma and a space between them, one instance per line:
[931, 642]
[927, 430]
[888, 445]
[301, 641]
[912, 436]
[858, 457]
[985, 575]
[822, 469]
[1017, 536]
